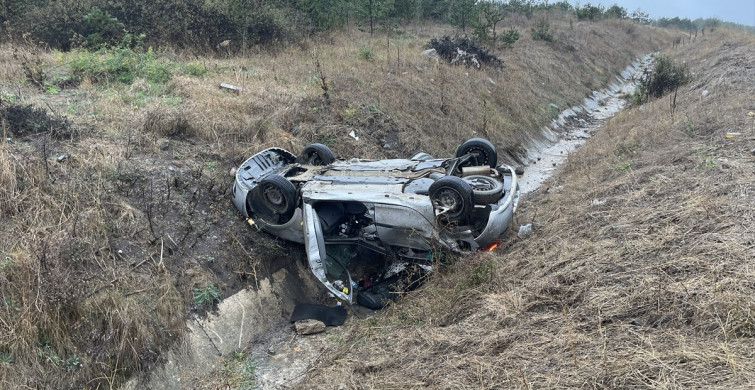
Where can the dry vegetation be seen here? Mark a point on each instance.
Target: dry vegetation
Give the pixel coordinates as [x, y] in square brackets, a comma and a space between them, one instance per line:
[112, 228]
[639, 273]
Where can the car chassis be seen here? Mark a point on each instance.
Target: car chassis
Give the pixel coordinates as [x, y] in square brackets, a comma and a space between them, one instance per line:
[403, 210]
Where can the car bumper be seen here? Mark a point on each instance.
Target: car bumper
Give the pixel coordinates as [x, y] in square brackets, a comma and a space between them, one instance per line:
[503, 213]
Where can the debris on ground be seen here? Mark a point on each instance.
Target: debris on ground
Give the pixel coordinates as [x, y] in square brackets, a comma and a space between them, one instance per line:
[462, 51]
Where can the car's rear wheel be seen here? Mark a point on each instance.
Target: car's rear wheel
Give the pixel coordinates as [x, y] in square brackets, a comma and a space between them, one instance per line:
[486, 189]
[421, 156]
[316, 154]
[483, 153]
[274, 199]
[452, 198]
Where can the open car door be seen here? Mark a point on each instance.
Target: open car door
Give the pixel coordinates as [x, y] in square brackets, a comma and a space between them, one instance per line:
[329, 271]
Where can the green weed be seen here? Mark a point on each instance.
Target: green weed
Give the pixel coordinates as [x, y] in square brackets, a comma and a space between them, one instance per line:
[207, 295]
[6, 357]
[624, 167]
[194, 69]
[365, 53]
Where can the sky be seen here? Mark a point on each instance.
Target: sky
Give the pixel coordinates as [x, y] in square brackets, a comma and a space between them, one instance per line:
[737, 11]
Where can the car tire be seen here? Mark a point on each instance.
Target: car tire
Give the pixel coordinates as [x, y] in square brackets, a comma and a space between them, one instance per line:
[453, 197]
[484, 151]
[486, 189]
[421, 156]
[274, 199]
[316, 154]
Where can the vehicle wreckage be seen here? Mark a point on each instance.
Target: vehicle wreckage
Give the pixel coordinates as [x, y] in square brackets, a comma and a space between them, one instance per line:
[375, 217]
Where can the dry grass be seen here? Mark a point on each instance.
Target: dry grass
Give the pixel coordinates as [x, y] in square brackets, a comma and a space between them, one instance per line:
[650, 287]
[102, 249]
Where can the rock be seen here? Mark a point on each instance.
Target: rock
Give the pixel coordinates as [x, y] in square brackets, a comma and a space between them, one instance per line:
[305, 327]
[431, 54]
[233, 171]
[519, 170]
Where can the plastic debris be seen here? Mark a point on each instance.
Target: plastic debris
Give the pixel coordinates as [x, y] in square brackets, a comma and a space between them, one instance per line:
[525, 230]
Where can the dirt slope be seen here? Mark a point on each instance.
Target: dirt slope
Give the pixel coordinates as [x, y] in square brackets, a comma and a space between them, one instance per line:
[638, 273]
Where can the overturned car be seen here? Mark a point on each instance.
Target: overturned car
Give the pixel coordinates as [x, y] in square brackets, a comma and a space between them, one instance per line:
[372, 218]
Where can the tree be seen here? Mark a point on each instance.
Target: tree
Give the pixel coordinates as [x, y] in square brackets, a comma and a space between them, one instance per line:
[325, 14]
[590, 12]
[616, 12]
[640, 16]
[491, 13]
[373, 11]
[462, 13]
[407, 9]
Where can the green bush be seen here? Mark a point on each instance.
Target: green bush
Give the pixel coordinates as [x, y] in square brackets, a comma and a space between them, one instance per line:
[509, 37]
[590, 12]
[366, 53]
[664, 77]
[121, 64]
[542, 32]
[103, 29]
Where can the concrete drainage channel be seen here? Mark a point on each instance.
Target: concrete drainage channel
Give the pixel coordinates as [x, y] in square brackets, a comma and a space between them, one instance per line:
[256, 320]
[575, 125]
[249, 317]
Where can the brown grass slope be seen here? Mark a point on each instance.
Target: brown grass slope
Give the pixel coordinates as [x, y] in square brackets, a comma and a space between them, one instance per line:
[109, 229]
[639, 273]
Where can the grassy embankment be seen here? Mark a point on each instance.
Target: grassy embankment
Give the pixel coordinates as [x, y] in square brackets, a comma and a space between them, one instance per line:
[638, 274]
[116, 225]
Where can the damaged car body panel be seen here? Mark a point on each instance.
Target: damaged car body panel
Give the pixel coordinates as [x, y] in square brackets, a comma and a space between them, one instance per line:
[373, 214]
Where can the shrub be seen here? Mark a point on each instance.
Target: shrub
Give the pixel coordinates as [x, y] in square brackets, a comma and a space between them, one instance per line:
[542, 32]
[664, 77]
[365, 53]
[590, 12]
[123, 65]
[103, 29]
[509, 37]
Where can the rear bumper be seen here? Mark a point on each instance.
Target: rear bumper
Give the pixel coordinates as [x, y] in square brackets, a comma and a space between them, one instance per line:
[503, 213]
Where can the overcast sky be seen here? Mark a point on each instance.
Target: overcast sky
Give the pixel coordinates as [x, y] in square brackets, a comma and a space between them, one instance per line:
[738, 11]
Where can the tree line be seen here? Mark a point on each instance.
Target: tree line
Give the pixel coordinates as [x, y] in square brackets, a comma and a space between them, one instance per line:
[203, 24]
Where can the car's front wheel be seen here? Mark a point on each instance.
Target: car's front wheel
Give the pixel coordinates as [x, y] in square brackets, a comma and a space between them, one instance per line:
[452, 198]
[274, 199]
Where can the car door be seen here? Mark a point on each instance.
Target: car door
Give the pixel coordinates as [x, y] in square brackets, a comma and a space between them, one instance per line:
[328, 270]
[404, 226]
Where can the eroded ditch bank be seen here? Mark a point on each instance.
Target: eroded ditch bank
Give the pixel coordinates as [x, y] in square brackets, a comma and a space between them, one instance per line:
[256, 321]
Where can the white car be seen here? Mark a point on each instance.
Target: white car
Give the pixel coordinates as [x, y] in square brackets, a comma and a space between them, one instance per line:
[364, 218]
